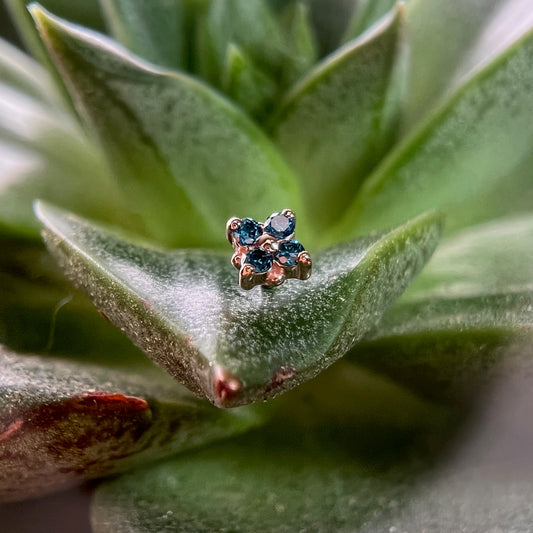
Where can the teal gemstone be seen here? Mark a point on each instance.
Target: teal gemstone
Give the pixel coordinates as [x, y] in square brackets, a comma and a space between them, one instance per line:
[261, 261]
[248, 232]
[287, 254]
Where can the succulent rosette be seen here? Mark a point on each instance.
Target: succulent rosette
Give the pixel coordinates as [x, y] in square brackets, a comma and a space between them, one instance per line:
[401, 136]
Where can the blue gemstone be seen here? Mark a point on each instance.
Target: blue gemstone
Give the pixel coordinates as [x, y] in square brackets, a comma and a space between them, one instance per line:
[287, 253]
[280, 226]
[248, 232]
[259, 259]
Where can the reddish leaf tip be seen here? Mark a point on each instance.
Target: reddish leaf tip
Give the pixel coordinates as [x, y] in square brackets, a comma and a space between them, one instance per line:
[226, 387]
[11, 430]
[281, 375]
[114, 401]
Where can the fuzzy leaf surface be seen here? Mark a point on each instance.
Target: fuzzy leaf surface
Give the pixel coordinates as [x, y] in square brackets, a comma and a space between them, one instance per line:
[63, 422]
[251, 25]
[345, 472]
[296, 20]
[19, 71]
[473, 301]
[187, 312]
[41, 312]
[44, 154]
[452, 40]
[334, 125]
[181, 152]
[244, 83]
[331, 461]
[464, 150]
[154, 31]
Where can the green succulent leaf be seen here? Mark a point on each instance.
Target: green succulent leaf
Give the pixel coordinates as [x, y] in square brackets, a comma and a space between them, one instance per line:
[334, 461]
[43, 153]
[251, 25]
[487, 258]
[22, 19]
[204, 158]
[245, 84]
[153, 30]
[365, 15]
[41, 312]
[305, 490]
[473, 301]
[330, 20]
[300, 490]
[203, 55]
[63, 422]
[29, 35]
[451, 41]
[348, 474]
[336, 124]
[187, 312]
[20, 72]
[477, 138]
[303, 50]
[85, 12]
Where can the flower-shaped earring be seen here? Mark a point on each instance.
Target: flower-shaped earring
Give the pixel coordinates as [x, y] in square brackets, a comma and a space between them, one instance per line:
[267, 254]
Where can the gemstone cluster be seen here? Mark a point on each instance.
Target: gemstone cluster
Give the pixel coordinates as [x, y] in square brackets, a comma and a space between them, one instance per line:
[267, 254]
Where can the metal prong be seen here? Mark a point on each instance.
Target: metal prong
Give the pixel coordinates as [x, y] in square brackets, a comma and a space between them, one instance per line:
[305, 265]
[231, 225]
[236, 260]
[288, 213]
[275, 276]
[246, 277]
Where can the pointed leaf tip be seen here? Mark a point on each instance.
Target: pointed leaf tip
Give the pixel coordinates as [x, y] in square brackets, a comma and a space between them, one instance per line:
[187, 312]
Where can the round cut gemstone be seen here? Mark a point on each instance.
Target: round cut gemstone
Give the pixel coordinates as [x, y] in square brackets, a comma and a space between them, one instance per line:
[280, 225]
[248, 232]
[287, 254]
[259, 259]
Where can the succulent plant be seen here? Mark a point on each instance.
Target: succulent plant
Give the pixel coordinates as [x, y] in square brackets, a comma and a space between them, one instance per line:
[125, 338]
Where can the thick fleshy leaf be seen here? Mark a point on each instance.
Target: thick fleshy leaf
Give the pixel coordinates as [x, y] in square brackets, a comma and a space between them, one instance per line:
[338, 460]
[452, 40]
[63, 422]
[296, 20]
[22, 19]
[245, 84]
[475, 140]
[474, 299]
[43, 154]
[82, 11]
[330, 20]
[268, 487]
[86, 12]
[446, 348]
[185, 156]
[187, 312]
[510, 195]
[203, 54]
[366, 13]
[298, 482]
[19, 71]
[154, 30]
[250, 25]
[337, 123]
[489, 258]
[41, 312]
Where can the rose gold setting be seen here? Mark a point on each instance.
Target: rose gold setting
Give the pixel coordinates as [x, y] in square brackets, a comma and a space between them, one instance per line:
[278, 272]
